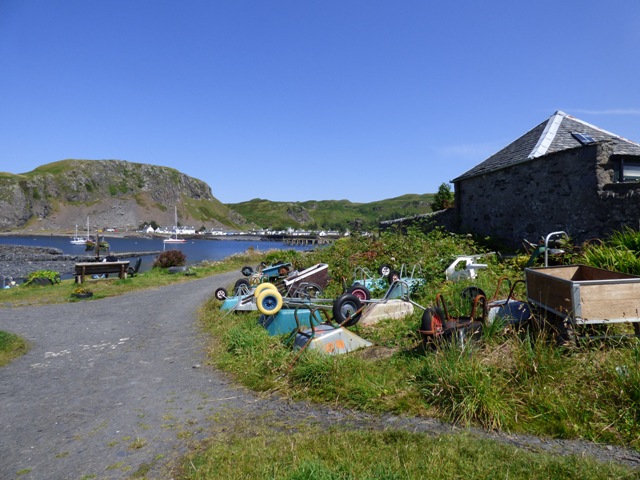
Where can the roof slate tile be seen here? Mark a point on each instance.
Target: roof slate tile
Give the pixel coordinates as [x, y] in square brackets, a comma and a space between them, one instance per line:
[524, 148]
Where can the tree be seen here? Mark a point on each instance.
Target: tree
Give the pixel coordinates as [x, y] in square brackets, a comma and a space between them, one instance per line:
[443, 199]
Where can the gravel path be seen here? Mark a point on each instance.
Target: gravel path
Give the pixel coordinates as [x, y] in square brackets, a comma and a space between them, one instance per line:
[117, 386]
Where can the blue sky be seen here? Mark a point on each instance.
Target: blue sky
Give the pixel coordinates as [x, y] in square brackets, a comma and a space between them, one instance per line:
[294, 100]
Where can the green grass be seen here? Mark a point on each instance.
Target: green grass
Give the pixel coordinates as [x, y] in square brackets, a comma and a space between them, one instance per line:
[258, 449]
[11, 347]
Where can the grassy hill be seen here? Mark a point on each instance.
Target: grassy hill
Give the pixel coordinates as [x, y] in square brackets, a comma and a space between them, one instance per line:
[330, 214]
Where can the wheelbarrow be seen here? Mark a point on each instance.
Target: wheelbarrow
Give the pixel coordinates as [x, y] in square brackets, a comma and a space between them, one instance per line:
[509, 310]
[325, 335]
[438, 325]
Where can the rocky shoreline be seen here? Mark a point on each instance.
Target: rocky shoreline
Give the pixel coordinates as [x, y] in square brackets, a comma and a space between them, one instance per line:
[18, 261]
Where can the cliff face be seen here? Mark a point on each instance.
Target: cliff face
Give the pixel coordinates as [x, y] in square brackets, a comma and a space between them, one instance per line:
[111, 193]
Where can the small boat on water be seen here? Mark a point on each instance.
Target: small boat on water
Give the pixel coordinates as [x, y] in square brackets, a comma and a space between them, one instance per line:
[175, 238]
[76, 240]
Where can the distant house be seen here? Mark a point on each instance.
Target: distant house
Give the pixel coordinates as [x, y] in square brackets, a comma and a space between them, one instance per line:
[564, 174]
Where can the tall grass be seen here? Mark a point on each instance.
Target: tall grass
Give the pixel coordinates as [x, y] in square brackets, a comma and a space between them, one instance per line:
[465, 389]
[620, 253]
[259, 449]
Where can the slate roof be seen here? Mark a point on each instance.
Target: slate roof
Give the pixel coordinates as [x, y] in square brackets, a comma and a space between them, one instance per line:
[551, 136]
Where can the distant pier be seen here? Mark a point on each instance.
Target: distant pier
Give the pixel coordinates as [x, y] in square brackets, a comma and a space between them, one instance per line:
[312, 240]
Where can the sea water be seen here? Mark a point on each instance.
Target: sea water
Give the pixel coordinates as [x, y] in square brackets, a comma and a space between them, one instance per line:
[195, 250]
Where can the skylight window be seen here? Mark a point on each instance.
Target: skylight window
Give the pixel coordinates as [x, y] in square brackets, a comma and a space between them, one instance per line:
[583, 138]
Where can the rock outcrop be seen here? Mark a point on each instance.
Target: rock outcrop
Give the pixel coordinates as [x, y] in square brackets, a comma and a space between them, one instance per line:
[111, 193]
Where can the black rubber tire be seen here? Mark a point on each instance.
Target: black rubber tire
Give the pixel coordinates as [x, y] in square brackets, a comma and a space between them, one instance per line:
[307, 291]
[469, 293]
[344, 309]
[393, 276]
[240, 282]
[247, 271]
[220, 294]
[384, 270]
[359, 291]
[433, 320]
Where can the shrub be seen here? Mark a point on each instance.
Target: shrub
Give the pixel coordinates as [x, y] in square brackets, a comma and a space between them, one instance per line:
[170, 258]
[43, 277]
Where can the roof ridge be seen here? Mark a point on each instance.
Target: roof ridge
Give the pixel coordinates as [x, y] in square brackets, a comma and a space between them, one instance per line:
[549, 133]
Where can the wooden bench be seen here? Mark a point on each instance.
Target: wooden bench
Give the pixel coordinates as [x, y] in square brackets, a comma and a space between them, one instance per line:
[100, 268]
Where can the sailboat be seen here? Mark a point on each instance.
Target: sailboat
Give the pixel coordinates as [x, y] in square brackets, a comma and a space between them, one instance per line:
[76, 240]
[175, 238]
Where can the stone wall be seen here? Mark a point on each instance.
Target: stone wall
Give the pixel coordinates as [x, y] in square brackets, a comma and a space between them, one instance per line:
[570, 191]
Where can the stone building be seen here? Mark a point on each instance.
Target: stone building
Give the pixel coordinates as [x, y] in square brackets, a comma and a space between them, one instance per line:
[564, 174]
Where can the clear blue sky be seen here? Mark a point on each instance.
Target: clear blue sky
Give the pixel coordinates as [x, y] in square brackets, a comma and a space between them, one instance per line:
[294, 100]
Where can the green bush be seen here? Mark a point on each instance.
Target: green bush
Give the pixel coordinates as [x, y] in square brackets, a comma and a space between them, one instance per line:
[37, 277]
[170, 258]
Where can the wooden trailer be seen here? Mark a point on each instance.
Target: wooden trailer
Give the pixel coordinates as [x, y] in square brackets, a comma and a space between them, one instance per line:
[582, 295]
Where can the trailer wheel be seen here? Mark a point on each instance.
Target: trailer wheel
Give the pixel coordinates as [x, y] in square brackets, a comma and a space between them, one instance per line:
[432, 323]
[346, 310]
[262, 287]
[220, 294]
[360, 291]
[269, 302]
[384, 270]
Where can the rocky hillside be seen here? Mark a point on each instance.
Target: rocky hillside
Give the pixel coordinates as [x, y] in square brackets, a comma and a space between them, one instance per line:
[111, 193]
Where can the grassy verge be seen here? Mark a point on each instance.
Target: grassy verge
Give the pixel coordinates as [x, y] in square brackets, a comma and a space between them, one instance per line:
[256, 449]
[11, 346]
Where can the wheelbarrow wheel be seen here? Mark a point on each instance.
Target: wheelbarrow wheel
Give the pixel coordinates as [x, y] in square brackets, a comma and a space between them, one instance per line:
[247, 271]
[346, 310]
[432, 326]
[393, 276]
[470, 293]
[220, 294]
[384, 270]
[360, 291]
[262, 287]
[240, 285]
[269, 301]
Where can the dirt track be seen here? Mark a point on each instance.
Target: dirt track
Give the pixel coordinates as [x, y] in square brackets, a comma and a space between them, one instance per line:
[118, 385]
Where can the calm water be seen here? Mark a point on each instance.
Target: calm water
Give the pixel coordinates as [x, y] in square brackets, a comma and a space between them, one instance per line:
[195, 250]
